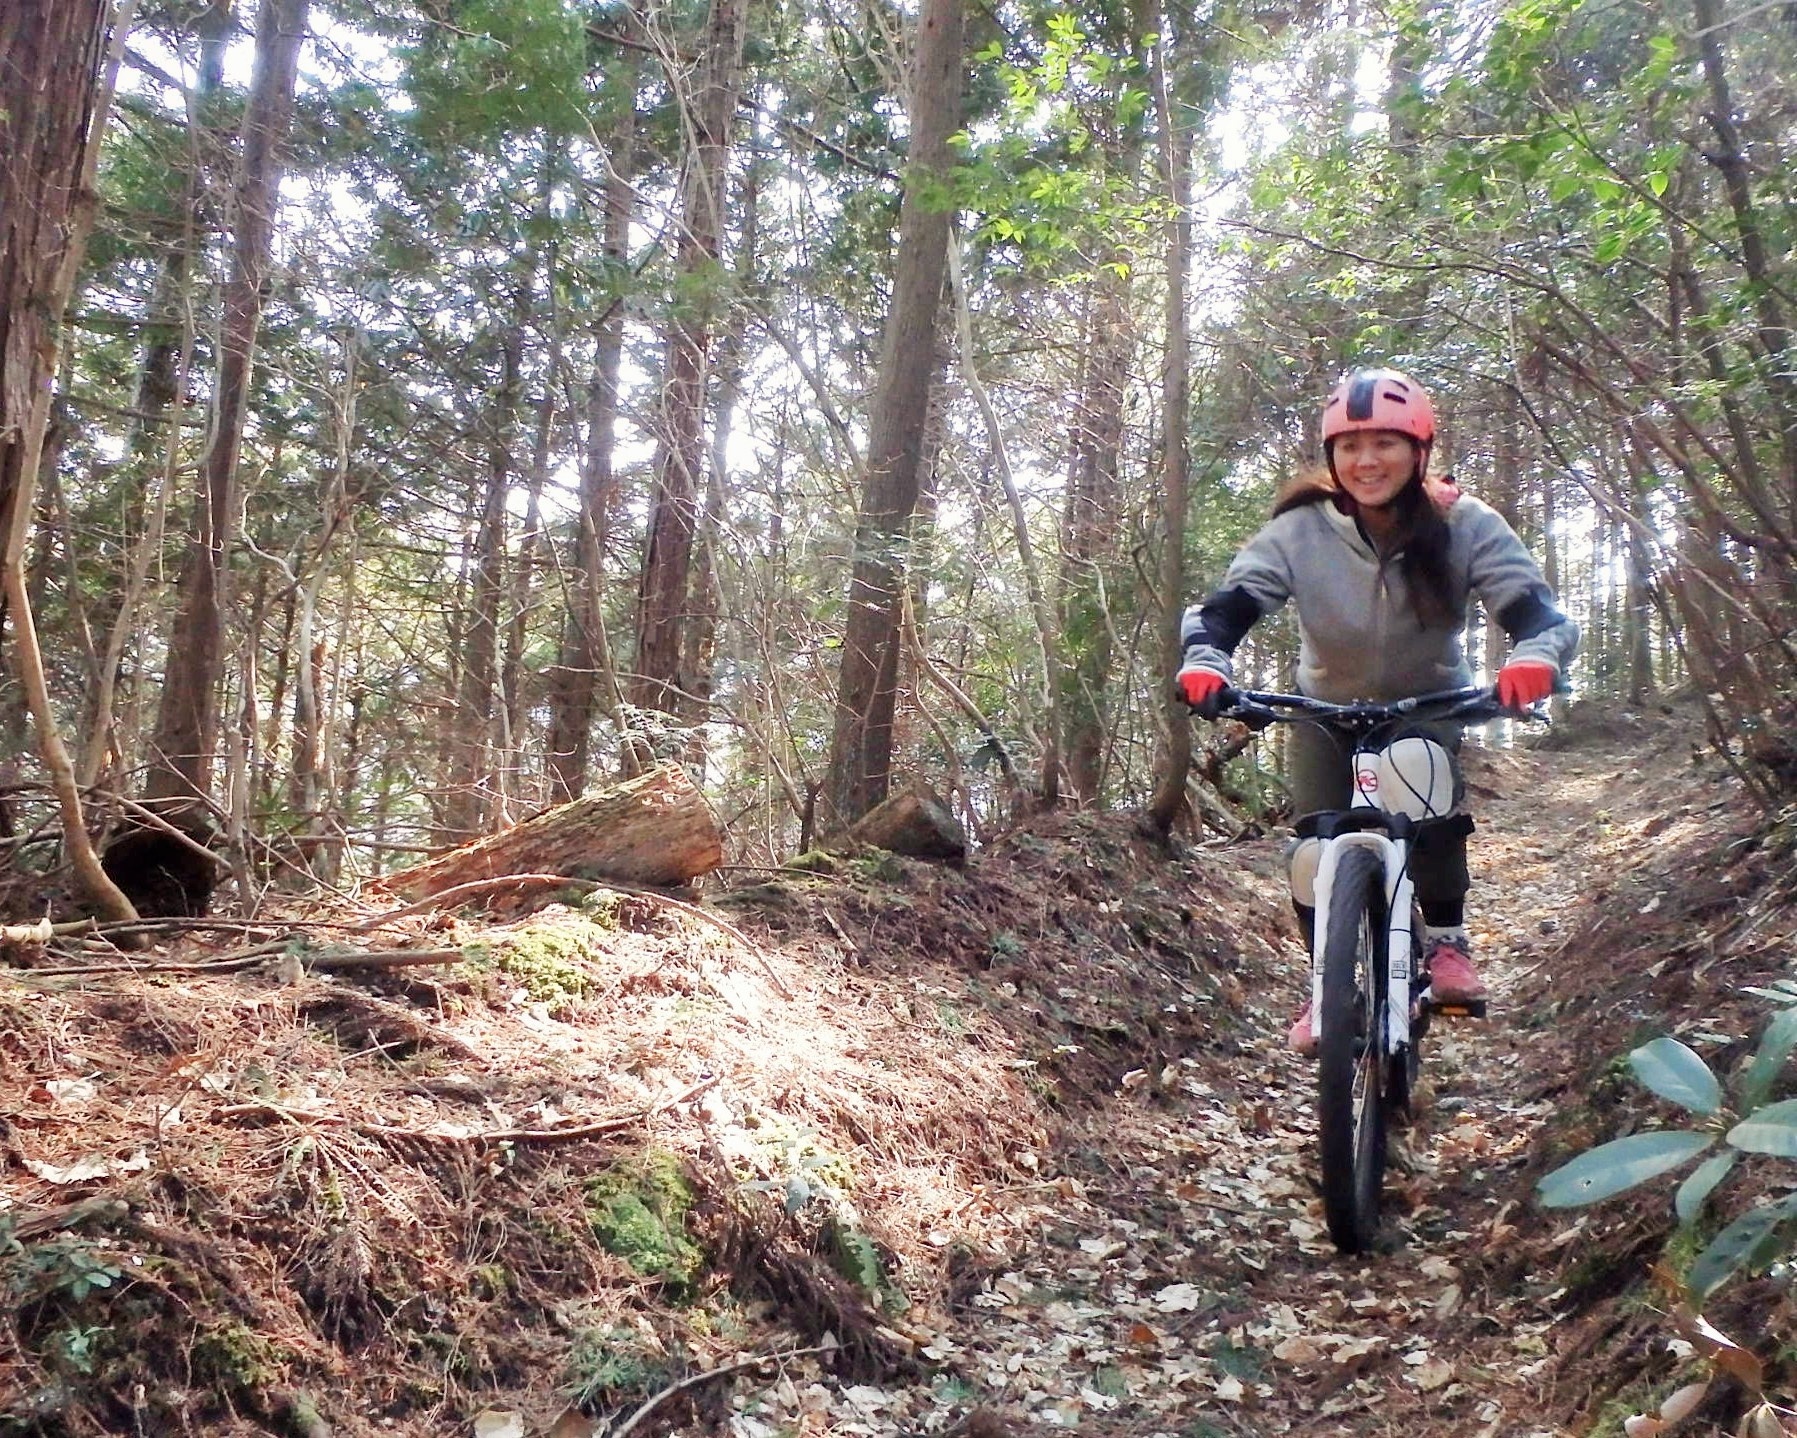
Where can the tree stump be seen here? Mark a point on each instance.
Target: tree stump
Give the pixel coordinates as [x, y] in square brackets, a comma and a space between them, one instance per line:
[656, 830]
[915, 823]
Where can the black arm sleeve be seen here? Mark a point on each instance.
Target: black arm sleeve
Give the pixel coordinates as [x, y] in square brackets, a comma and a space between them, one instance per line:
[1221, 621]
[1531, 614]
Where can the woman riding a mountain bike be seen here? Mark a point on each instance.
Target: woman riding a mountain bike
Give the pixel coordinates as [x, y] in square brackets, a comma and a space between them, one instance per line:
[1379, 560]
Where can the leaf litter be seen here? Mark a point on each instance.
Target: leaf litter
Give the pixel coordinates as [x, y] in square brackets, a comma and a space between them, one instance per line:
[1004, 1151]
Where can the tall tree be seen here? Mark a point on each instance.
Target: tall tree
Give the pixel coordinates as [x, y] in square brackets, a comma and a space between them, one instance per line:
[860, 760]
[187, 716]
[1175, 162]
[54, 89]
[709, 116]
[584, 658]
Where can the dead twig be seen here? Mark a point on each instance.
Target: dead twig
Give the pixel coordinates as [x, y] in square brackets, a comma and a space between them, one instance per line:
[472, 890]
[250, 958]
[571, 1134]
[232, 964]
[706, 916]
[384, 959]
[694, 1380]
[100, 1209]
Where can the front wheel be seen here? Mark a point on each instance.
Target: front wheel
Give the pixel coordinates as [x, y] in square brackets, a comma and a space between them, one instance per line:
[1351, 1074]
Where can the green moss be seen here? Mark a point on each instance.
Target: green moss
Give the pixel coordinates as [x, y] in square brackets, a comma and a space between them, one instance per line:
[879, 866]
[1615, 1413]
[815, 861]
[449, 1355]
[771, 895]
[1005, 945]
[603, 907]
[490, 1280]
[638, 1211]
[552, 962]
[234, 1359]
[608, 1365]
[787, 1150]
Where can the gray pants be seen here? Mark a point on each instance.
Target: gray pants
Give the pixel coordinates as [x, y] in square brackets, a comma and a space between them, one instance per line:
[1321, 774]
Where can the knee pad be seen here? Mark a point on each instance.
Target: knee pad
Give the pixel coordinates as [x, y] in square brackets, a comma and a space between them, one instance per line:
[1416, 777]
[1302, 860]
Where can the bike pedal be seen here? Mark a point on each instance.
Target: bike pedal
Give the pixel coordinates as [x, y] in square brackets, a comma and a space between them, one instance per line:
[1470, 1009]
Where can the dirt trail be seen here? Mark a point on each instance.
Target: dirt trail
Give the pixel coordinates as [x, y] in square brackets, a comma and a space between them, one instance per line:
[1002, 1151]
[1192, 1290]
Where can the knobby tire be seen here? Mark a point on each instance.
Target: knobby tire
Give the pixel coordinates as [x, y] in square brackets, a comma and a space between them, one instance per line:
[1351, 1073]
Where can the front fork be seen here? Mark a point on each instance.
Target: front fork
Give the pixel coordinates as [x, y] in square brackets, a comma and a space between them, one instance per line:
[1398, 939]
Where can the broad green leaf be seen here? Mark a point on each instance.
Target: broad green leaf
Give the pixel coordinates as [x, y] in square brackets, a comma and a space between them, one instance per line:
[1772, 1129]
[1610, 247]
[1738, 1244]
[1564, 185]
[1689, 1200]
[1675, 1072]
[1614, 1167]
[1775, 1048]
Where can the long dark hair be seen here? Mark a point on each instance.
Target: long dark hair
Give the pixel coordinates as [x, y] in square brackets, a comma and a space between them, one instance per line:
[1421, 534]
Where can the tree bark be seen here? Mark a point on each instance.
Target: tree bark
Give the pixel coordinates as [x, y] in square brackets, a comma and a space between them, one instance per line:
[655, 829]
[56, 74]
[1774, 332]
[585, 657]
[311, 785]
[859, 767]
[187, 717]
[1176, 756]
[468, 799]
[1088, 529]
[679, 463]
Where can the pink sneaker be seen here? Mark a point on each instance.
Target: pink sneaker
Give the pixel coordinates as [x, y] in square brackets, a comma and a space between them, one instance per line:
[1452, 977]
[1302, 1040]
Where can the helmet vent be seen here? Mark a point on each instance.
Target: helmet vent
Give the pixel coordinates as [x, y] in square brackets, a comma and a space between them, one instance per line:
[1379, 399]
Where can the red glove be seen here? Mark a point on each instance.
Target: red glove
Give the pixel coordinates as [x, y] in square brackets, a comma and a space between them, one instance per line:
[1200, 686]
[1523, 682]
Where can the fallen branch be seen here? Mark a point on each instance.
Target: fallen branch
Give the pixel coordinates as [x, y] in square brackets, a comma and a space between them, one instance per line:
[150, 819]
[706, 916]
[384, 959]
[693, 1380]
[448, 898]
[250, 958]
[236, 963]
[39, 933]
[30, 1223]
[572, 1134]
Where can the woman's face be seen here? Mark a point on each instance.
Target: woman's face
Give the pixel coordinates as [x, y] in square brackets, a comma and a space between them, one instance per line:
[1374, 465]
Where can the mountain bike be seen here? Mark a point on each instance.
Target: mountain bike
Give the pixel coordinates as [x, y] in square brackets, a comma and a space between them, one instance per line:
[1370, 995]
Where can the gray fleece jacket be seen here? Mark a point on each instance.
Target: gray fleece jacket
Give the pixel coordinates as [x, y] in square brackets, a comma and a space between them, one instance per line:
[1360, 637]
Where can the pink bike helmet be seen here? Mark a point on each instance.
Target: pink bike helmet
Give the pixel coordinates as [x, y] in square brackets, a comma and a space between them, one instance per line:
[1379, 399]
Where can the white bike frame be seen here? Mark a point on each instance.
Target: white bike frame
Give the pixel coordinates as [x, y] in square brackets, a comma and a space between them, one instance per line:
[1395, 855]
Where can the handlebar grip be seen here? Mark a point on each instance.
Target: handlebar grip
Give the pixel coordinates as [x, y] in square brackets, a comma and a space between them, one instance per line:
[1211, 707]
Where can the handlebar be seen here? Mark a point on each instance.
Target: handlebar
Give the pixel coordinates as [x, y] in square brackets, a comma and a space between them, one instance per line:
[1475, 704]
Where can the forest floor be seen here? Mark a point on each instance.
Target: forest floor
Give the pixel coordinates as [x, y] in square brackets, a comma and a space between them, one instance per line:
[889, 1149]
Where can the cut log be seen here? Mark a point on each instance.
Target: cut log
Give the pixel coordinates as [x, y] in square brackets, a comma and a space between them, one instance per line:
[916, 823]
[656, 831]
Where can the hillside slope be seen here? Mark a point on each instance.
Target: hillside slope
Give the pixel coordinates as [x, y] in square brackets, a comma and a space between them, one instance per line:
[889, 1149]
